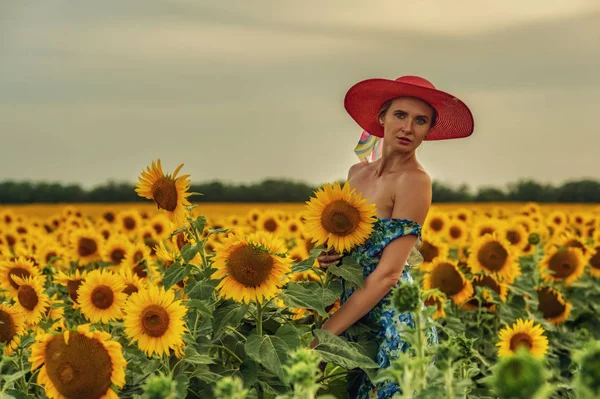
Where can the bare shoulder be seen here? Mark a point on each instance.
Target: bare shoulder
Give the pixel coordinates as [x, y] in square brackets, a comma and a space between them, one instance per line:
[412, 195]
[354, 169]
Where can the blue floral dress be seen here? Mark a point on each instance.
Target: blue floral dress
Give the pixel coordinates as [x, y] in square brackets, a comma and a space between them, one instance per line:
[388, 319]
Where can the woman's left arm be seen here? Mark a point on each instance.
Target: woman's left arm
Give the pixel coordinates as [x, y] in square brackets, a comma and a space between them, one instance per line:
[412, 201]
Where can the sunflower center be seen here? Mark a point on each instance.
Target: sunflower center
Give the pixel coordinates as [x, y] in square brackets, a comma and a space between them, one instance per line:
[520, 339]
[73, 286]
[117, 255]
[74, 375]
[436, 224]
[595, 259]
[109, 217]
[164, 192]
[270, 225]
[155, 321]
[129, 223]
[549, 304]
[158, 228]
[293, 228]
[140, 270]
[87, 246]
[429, 251]
[27, 297]
[513, 237]
[485, 230]
[455, 232]
[249, 266]
[447, 279]
[102, 297]
[492, 256]
[19, 272]
[340, 218]
[130, 289]
[563, 264]
[7, 327]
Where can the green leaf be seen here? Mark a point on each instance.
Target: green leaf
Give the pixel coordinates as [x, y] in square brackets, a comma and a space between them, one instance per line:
[15, 376]
[14, 394]
[188, 251]
[199, 224]
[202, 289]
[349, 270]
[217, 231]
[308, 295]
[200, 306]
[270, 351]
[339, 351]
[249, 371]
[202, 372]
[303, 266]
[175, 274]
[193, 357]
[182, 385]
[228, 315]
[289, 334]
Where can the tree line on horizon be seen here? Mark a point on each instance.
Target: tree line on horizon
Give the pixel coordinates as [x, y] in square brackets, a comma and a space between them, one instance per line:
[281, 190]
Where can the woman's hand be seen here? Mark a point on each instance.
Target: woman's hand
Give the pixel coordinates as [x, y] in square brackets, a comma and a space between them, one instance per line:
[328, 258]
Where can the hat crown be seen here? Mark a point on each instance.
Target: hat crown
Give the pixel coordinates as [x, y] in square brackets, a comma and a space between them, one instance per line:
[416, 80]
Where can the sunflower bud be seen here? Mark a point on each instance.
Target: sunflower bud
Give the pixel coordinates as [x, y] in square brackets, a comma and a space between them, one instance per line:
[303, 368]
[534, 238]
[160, 387]
[518, 376]
[406, 297]
[230, 388]
[587, 380]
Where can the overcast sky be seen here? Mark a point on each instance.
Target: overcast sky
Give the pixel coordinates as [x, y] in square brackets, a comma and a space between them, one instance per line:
[244, 90]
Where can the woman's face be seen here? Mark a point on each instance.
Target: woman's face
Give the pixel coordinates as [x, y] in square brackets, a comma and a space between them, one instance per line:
[406, 123]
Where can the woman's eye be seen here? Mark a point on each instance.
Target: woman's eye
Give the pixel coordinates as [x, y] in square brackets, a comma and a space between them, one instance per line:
[421, 121]
[400, 115]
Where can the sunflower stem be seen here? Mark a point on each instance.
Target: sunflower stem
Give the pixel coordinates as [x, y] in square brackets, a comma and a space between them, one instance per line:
[420, 354]
[259, 311]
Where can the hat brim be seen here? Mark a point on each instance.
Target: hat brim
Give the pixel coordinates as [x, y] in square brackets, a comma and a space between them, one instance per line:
[364, 100]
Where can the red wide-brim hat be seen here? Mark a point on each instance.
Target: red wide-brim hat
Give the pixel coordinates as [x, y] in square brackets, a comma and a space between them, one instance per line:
[364, 100]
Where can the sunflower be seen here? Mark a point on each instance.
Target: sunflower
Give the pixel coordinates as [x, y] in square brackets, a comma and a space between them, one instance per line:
[516, 235]
[485, 226]
[580, 219]
[129, 221]
[169, 193]
[495, 255]
[161, 225]
[116, 249]
[556, 219]
[339, 218]
[444, 274]
[431, 249]
[20, 267]
[31, 299]
[270, 222]
[293, 228]
[457, 233]
[563, 264]
[523, 221]
[553, 306]
[436, 223]
[522, 333]
[252, 268]
[155, 320]
[72, 281]
[51, 253]
[253, 215]
[133, 283]
[463, 214]
[86, 245]
[101, 296]
[594, 261]
[12, 326]
[78, 364]
[567, 239]
[437, 300]
[486, 282]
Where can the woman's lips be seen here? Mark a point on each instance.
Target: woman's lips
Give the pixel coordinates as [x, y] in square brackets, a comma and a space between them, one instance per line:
[403, 140]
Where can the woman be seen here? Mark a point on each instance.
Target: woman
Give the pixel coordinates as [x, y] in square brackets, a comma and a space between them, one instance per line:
[398, 116]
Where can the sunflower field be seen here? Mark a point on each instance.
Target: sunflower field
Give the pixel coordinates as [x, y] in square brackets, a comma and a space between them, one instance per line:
[171, 301]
